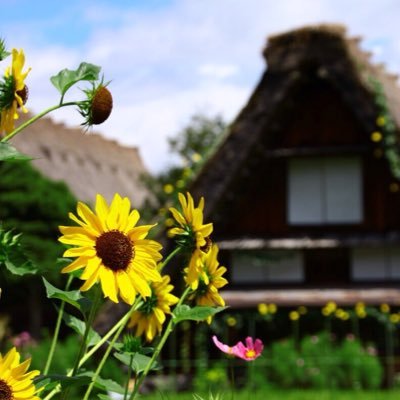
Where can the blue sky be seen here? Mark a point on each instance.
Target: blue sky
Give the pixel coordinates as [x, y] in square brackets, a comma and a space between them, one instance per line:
[169, 59]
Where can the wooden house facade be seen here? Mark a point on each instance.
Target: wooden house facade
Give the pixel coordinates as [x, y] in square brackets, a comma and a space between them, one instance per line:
[303, 191]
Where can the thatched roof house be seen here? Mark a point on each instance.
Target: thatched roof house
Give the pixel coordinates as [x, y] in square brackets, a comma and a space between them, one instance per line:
[87, 162]
[304, 190]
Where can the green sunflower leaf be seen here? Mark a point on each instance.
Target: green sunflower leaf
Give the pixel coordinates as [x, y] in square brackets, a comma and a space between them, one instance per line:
[138, 362]
[104, 397]
[79, 327]
[197, 313]
[67, 78]
[73, 297]
[65, 381]
[104, 384]
[12, 255]
[10, 153]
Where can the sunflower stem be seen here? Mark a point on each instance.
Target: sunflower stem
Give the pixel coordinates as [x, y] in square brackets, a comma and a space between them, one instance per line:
[122, 322]
[135, 306]
[88, 327]
[128, 378]
[170, 257]
[167, 332]
[36, 117]
[56, 330]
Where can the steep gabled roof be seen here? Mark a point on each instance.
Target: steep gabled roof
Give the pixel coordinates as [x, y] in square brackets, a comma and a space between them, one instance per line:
[87, 162]
[319, 52]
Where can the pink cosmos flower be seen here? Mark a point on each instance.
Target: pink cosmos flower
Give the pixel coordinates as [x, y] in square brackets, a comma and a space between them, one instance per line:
[248, 352]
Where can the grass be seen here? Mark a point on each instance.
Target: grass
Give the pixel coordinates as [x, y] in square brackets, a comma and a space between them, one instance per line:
[271, 394]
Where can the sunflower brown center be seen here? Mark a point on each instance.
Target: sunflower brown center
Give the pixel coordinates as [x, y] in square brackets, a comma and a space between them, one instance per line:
[24, 94]
[5, 391]
[115, 250]
[206, 248]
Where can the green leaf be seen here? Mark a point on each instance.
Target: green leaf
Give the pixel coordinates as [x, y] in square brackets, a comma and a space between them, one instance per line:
[104, 384]
[198, 313]
[79, 327]
[138, 362]
[13, 256]
[10, 153]
[65, 381]
[67, 78]
[73, 297]
[104, 397]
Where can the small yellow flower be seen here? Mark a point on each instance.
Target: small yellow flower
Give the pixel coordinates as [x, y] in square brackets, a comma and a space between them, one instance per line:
[196, 157]
[385, 308]
[294, 315]
[190, 228]
[380, 121]
[16, 383]
[168, 188]
[169, 222]
[376, 136]
[180, 183]
[361, 313]
[302, 310]
[272, 308]
[231, 321]
[208, 281]
[262, 308]
[13, 92]
[394, 318]
[150, 317]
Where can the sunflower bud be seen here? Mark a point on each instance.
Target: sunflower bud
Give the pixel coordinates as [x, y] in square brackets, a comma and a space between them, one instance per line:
[102, 105]
[98, 106]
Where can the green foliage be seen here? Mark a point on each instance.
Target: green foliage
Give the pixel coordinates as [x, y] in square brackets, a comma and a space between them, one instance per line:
[67, 78]
[321, 363]
[35, 206]
[212, 379]
[10, 153]
[3, 50]
[197, 313]
[198, 138]
[12, 255]
[192, 145]
[73, 297]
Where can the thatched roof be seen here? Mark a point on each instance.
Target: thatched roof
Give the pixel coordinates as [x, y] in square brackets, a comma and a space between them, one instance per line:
[87, 162]
[317, 52]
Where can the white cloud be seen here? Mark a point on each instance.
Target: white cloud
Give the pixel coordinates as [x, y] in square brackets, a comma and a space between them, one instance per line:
[168, 63]
[218, 71]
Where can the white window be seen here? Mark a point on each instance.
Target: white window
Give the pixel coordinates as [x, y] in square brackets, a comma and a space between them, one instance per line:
[376, 264]
[275, 266]
[325, 190]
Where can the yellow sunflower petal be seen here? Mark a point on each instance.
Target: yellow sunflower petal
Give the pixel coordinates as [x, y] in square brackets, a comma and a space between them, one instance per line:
[108, 284]
[90, 281]
[77, 264]
[80, 251]
[127, 292]
[101, 208]
[113, 213]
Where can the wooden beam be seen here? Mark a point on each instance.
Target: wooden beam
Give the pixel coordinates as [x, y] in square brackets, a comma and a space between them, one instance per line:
[310, 297]
[310, 243]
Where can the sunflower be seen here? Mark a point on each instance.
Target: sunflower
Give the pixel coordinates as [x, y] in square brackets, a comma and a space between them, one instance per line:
[112, 249]
[209, 280]
[15, 382]
[191, 231]
[13, 92]
[150, 317]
